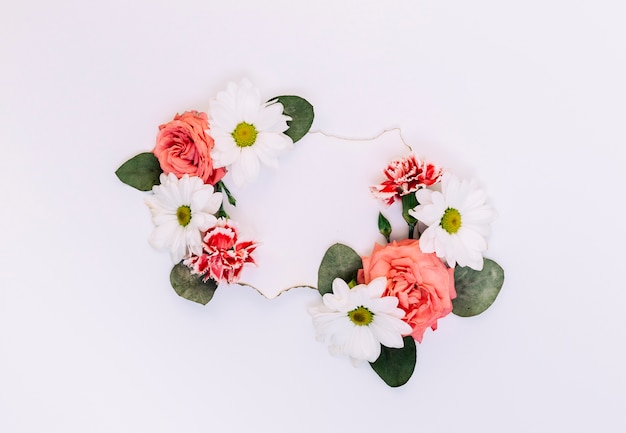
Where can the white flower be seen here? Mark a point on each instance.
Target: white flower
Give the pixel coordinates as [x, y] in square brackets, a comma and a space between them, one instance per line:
[458, 221]
[182, 209]
[355, 322]
[246, 131]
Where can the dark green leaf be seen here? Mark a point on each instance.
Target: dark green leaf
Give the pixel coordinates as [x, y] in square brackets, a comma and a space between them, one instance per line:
[384, 227]
[395, 366]
[191, 286]
[141, 171]
[340, 261]
[301, 113]
[476, 290]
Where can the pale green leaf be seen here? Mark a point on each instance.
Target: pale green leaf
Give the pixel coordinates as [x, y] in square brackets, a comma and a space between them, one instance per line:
[476, 290]
[340, 261]
[191, 286]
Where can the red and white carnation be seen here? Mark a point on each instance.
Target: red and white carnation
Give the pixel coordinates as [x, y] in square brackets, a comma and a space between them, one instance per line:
[406, 175]
[223, 256]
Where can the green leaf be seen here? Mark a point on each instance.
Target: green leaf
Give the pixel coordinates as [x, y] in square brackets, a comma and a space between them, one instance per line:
[221, 213]
[340, 261]
[301, 113]
[476, 290]
[141, 171]
[220, 186]
[191, 286]
[395, 366]
[384, 227]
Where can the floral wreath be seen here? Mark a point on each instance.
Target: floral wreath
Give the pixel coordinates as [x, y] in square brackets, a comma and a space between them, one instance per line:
[372, 309]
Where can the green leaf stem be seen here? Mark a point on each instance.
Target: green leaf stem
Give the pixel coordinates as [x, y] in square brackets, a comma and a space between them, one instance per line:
[220, 186]
[409, 201]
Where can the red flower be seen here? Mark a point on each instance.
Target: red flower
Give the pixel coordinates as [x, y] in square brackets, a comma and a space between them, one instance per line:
[223, 257]
[404, 176]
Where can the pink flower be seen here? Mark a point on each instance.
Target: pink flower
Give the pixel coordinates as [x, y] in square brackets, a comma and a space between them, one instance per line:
[423, 285]
[223, 257]
[183, 147]
[406, 175]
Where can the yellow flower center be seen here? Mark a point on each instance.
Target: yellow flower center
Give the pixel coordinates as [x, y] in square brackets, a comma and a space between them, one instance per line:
[183, 214]
[361, 316]
[451, 220]
[244, 134]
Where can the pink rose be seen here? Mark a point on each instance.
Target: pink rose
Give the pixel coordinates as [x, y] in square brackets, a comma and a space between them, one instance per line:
[405, 175]
[223, 256]
[423, 285]
[183, 147]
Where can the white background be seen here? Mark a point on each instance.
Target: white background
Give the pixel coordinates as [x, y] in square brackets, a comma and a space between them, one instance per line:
[526, 96]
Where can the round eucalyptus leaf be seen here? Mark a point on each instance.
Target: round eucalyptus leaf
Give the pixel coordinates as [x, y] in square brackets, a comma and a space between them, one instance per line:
[476, 290]
[340, 261]
[396, 366]
[190, 286]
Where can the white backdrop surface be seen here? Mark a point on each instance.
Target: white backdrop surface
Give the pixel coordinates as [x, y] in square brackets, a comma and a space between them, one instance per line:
[528, 97]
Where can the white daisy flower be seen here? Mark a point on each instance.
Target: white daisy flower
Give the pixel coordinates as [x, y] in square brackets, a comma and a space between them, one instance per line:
[182, 209]
[458, 221]
[355, 322]
[246, 131]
